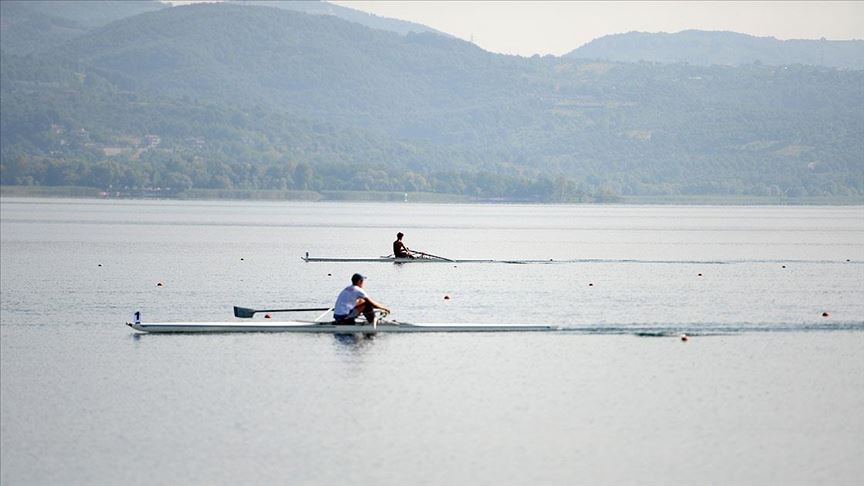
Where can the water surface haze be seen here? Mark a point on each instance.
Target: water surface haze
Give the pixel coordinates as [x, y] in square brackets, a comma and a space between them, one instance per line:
[766, 389]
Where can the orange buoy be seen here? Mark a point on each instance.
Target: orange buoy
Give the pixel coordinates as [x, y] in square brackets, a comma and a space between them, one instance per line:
[267, 316]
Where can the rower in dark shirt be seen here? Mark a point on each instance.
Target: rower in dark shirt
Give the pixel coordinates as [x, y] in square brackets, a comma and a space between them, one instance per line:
[399, 248]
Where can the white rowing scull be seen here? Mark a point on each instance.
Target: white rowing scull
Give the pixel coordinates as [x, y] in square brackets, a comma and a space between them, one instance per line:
[324, 327]
[381, 325]
[421, 259]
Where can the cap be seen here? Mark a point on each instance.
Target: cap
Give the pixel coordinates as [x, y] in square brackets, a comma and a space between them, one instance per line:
[356, 278]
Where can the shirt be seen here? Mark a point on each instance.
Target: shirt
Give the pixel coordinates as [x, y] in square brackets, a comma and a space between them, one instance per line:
[347, 300]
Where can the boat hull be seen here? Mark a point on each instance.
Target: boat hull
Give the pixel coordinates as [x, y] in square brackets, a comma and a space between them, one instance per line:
[326, 328]
[417, 260]
[390, 260]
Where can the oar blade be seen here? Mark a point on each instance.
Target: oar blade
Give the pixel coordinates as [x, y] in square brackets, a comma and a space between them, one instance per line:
[243, 312]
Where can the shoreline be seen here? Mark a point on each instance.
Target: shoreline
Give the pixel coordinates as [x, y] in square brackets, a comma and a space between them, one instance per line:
[75, 192]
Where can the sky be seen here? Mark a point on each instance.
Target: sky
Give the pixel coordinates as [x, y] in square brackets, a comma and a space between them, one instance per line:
[558, 27]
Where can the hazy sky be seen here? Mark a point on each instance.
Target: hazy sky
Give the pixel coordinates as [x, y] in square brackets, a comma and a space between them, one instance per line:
[549, 27]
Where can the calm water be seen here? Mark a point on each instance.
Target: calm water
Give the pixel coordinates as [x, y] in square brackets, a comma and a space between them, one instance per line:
[767, 390]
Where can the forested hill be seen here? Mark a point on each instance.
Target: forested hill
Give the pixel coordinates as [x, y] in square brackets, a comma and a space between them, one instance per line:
[703, 48]
[320, 7]
[319, 66]
[235, 96]
[33, 25]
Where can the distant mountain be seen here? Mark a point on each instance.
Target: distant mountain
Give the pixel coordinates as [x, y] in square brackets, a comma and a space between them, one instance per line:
[703, 48]
[226, 96]
[23, 30]
[91, 13]
[32, 25]
[317, 7]
[28, 26]
[315, 65]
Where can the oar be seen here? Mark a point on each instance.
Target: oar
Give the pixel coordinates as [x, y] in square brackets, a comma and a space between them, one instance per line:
[245, 313]
[432, 256]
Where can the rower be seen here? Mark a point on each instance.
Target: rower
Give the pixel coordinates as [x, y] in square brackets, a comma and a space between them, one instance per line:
[399, 248]
[353, 301]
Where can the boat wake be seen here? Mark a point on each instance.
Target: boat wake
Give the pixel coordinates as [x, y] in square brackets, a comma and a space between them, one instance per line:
[708, 329]
[689, 262]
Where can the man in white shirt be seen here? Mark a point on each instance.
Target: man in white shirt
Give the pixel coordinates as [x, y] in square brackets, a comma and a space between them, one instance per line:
[353, 301]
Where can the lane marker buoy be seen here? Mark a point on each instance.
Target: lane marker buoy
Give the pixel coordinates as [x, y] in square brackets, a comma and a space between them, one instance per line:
[446, 297]
[684, 337]
[825, 314]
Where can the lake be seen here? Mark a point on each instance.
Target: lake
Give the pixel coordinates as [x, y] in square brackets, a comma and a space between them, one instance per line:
[766, 390]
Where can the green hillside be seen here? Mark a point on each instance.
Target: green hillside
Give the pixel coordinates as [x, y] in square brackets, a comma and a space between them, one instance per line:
[34, 25]
[321, 7]
[227, 96]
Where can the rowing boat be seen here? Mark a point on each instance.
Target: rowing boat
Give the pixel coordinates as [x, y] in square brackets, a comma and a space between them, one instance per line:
[324, 327]
[380, 324]
[391, 259]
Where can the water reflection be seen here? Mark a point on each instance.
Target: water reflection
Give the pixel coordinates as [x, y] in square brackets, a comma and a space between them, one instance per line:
[354, 341]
